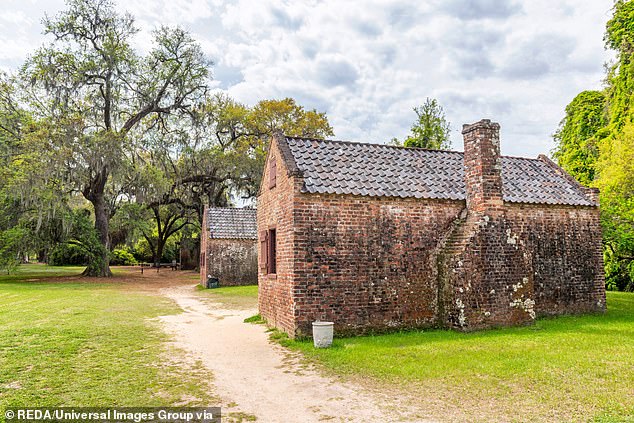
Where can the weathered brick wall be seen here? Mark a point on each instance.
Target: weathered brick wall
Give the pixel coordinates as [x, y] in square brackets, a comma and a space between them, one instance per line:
[232, 261]
[204, 236]
[507, 263]
[367, 263]
[275, 211]
[532, 260]
[565, 250]
[483, 166]
[378, 263]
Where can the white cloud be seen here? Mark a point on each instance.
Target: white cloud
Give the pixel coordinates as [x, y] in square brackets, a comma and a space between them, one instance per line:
[367, 63]
[481, 9]
[15, 17]
[169, 12]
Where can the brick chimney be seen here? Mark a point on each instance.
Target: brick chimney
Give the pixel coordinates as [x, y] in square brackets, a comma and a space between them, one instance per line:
[483, 167]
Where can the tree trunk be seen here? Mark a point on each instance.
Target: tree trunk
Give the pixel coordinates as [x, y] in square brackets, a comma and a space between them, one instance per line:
[160, 246]
[100, 265]
[165, 229]
[42, 256]
[152, 248]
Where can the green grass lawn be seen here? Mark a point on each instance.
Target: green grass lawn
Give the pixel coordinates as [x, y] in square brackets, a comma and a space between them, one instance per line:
[89, 344]
[231, 296]
[572, 368]
[37, 271]
[32, 272]
[81, 343]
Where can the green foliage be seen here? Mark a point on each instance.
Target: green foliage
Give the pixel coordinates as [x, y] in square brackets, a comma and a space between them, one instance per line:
[136, 135]
[121, 257]
[142, 251]
[68, 255]
[576, 138]
[255, 319]
[76, 244]
[12, 242]
[595, 143]
[431, 129]
[619, 37]
[13, 119]
[86, 237]
[233, 141]
[616, 181]
[619, 273]
[104, 101]
[287, 116]
[129, 223]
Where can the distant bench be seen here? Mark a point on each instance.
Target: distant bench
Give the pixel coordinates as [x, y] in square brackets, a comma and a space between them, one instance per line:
[173, 265]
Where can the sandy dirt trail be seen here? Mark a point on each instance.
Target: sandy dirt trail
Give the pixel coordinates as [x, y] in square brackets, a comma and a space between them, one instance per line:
[262, 378]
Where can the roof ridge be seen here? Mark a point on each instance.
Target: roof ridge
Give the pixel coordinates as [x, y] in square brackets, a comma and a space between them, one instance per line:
[399, 147]
[372, 144]
[506, 156]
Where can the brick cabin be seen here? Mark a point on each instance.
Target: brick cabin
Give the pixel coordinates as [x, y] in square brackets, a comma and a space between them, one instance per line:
[228, 245]
[376, 237]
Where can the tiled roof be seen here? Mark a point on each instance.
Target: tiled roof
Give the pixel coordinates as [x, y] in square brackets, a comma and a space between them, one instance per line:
[341, 167]
[231, 223]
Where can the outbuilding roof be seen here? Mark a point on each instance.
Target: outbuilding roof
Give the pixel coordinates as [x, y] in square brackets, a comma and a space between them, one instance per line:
[231, 223]
[343, 167]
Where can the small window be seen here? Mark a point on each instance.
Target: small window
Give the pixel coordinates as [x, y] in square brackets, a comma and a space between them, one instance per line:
[263, 250]
[272, 174]
[272, 253]
[268, 256]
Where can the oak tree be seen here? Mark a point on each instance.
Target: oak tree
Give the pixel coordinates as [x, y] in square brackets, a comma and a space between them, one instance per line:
[103, 95]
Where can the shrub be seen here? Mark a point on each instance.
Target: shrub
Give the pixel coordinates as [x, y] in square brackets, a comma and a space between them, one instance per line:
[68, 254]
[142, 251]
[12, 248]
[120, 257]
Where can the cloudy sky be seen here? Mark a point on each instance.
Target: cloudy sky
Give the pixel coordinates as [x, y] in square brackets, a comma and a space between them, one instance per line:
[367, 63]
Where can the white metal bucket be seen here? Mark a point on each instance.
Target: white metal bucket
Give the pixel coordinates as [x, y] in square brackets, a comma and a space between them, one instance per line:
[322, 334]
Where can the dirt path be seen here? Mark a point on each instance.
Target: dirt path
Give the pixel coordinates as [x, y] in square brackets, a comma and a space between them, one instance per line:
[261, 378]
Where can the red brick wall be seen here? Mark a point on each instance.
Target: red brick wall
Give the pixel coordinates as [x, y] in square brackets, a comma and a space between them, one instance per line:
[204, 235]
[275, 211]
[232, 261]
[376, 263]
[565, 249]
[533, 260]
[367, 263]
[483, 166]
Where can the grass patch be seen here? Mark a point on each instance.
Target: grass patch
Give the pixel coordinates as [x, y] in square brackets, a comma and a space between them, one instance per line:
[240, 297]
[89, 344]
[240, 417]
[34, 272]
[282, 338]
[256, 320]
[575, 368]
[247, 291]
